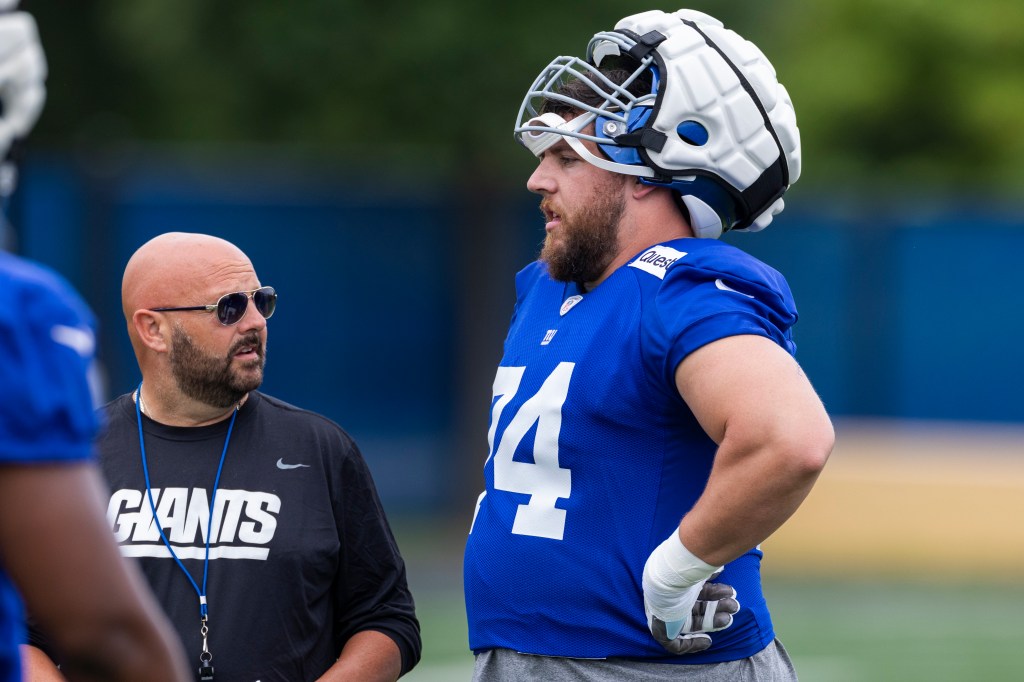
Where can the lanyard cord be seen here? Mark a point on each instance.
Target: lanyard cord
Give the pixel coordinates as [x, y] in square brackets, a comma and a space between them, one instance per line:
[213, 498]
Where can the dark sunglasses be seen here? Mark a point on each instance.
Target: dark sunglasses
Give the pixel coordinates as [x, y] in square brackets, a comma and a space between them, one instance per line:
[231, 307]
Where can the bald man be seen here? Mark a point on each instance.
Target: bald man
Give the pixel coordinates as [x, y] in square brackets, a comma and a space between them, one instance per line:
[271, 553]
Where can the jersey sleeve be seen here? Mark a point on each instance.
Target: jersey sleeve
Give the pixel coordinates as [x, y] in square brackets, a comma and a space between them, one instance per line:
[373, 592]
[717, 293]
[47, 359]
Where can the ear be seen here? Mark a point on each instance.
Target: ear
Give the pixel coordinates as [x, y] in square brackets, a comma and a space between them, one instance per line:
[152, 329]
[641, 190]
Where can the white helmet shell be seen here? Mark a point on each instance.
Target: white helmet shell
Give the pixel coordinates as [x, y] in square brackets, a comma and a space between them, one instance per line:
[717, 127]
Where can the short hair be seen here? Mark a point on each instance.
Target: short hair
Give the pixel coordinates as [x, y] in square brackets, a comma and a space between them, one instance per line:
[576, 89]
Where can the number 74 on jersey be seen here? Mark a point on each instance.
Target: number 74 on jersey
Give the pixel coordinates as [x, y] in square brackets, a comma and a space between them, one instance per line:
[543, 479]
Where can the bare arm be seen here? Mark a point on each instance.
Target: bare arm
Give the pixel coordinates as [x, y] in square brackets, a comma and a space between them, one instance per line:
[60, 553]
[37, 667]
[369, 655]
[774, 437]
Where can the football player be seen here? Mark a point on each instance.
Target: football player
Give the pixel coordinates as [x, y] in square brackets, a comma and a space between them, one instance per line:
[56, 550]
[649, 426]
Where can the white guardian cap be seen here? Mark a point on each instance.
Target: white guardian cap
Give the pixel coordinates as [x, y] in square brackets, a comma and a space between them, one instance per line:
[679, 101]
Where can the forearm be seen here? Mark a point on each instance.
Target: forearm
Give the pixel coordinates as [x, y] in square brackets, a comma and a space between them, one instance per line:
[368, 656]
[98, 613]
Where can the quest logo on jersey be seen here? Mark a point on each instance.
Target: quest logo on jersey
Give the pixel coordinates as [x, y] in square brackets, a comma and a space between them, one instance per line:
[656, 260]
[244, 523]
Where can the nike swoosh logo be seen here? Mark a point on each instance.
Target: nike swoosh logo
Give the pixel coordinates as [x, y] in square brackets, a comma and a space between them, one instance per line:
[79, 340]
[725, 287]
[282, 465]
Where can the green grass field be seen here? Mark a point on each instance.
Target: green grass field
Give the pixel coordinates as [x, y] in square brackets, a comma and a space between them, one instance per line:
[848, 630]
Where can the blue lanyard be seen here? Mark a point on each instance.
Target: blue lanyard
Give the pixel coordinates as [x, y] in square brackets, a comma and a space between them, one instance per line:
[201, 593]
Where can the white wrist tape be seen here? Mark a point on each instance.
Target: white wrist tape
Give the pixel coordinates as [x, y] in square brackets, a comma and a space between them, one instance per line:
[672, 567]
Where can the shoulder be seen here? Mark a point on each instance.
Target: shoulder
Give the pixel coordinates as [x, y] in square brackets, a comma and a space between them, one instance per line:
[294, 419]
[117, 411]
[25, 273]
[281, 409]
[695, 291]
[714, 272]
[294, 429]
[533, 274]
[33, 293]
[46, 326]
[47, 363]
[706, 259]
[720, 259]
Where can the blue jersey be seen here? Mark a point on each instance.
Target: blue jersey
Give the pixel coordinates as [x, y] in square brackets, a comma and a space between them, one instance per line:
[594, 456]
[47, 346]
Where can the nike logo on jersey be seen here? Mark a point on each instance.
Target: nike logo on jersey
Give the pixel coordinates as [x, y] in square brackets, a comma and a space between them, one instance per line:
[657, 260]
[244, 522]
[77, 339]
[282, 465]
[725, 287]
[82, 341]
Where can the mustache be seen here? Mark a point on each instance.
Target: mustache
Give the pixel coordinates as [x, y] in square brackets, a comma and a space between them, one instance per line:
[252, 340]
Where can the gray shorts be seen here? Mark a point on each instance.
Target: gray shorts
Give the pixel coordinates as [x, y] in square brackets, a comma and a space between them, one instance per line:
[771, 664]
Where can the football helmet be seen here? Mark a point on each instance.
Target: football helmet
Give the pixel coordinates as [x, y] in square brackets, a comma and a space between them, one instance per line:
[699, 111]
[22, 76]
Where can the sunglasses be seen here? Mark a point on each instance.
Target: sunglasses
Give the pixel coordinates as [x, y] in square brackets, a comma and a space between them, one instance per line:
[231, 307]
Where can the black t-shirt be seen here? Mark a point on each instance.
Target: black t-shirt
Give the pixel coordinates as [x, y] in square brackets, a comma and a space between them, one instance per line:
[301, 554]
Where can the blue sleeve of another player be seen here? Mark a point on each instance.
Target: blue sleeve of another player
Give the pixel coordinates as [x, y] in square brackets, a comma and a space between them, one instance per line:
[720, 292]
[47, 356]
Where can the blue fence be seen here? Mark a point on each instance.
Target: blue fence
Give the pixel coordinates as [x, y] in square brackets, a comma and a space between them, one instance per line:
[911, 312]
[904, 312]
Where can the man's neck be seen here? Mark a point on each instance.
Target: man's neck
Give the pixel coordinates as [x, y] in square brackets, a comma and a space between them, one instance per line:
[184, 412]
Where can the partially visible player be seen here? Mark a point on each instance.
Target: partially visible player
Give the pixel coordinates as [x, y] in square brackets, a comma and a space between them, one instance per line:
[56, 549]
[649, 424]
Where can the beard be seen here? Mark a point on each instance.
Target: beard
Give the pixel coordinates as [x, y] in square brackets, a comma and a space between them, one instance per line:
[589, 237]
[212, 380]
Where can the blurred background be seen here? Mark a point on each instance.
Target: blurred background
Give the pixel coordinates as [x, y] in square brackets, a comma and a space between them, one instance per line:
[361, 154]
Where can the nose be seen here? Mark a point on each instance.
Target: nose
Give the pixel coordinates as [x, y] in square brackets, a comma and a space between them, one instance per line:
[252, 320]
[541, 181]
